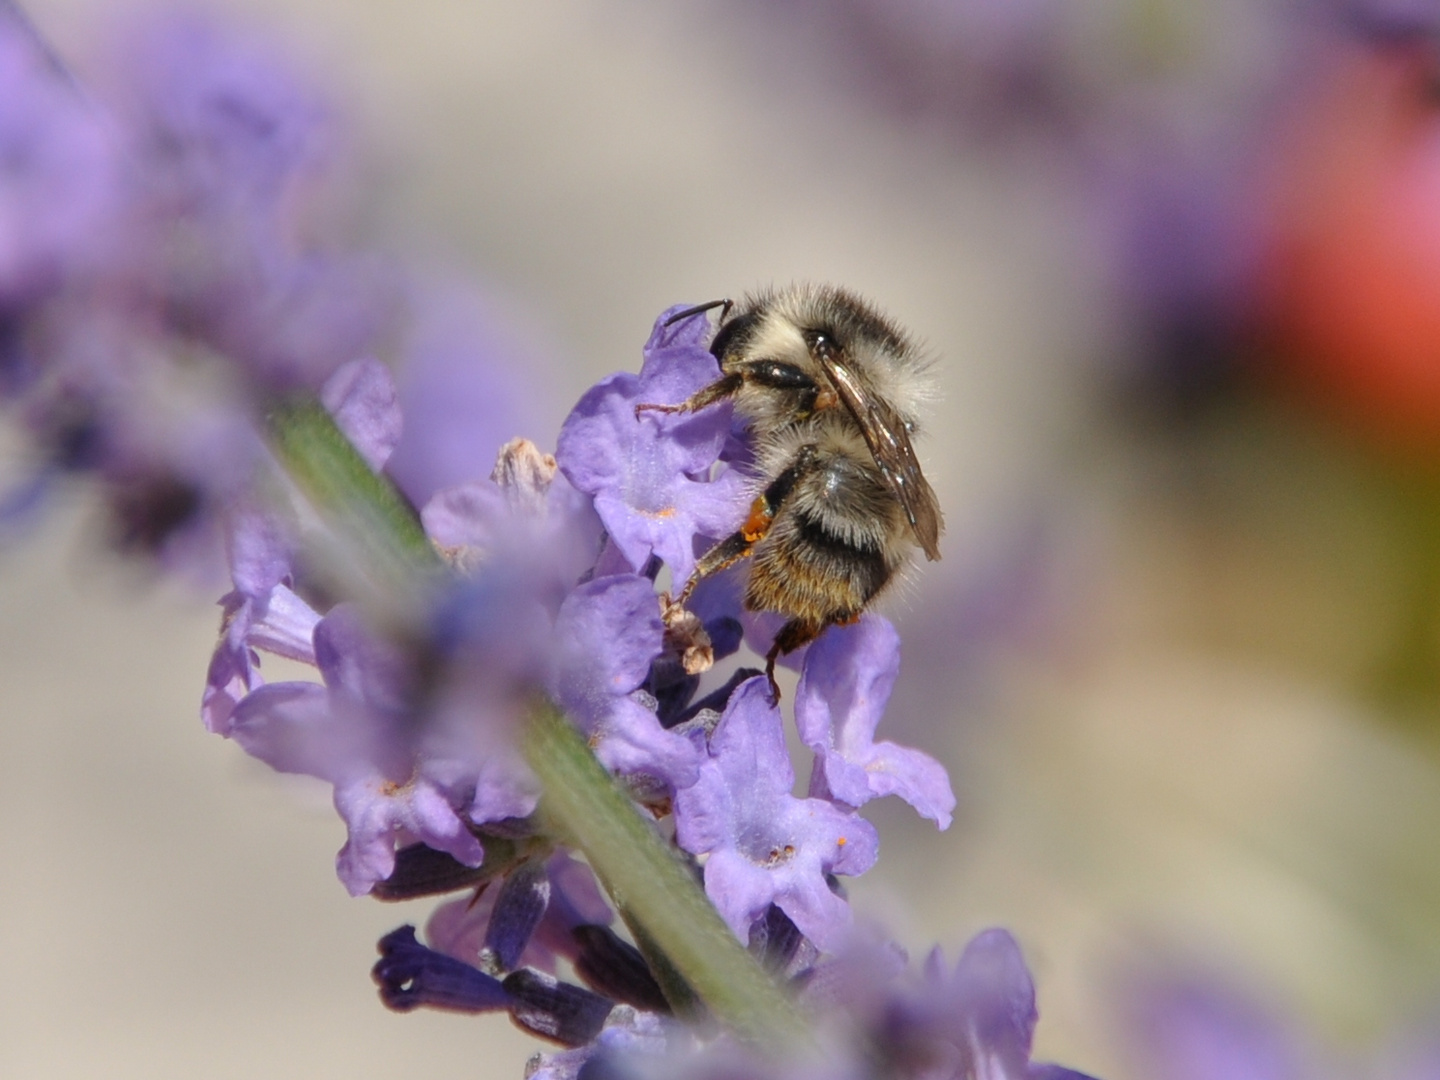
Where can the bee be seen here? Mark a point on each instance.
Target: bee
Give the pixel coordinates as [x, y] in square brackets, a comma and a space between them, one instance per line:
[828, 389]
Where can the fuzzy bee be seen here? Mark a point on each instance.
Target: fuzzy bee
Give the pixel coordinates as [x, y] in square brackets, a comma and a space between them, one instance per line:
[827, 388]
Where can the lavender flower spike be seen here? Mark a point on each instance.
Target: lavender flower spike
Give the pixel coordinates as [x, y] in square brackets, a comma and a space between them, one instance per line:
[766, 846]
[844, 685]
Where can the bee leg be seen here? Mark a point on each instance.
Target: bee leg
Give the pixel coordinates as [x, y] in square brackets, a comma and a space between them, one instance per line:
[699, 309]
[722, 388]
[720, 557]
[792, 635]
[762, 515]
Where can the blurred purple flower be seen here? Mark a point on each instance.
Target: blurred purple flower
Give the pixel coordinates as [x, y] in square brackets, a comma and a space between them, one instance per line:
[260, 613]
[1194, 1031]
[764, 845]
[351, 733]
[526, 517]
[361, 397]
[228, 123]
[606, 636]
[58, 172]
[978, 1020]
[844, 686]
[973, 1023]
[1183, 1026]
[227, 138]
[650, 474]
[469, 382]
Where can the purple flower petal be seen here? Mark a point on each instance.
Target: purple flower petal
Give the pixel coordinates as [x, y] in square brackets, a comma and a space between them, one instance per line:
[467, 384]
[457, 927]
[261, 550]
[290, 727]
[260, 614]
[764, 845]
[538, 527]
[354, 733]
[381, 815]
[362, 669]
[606, 634]
[519, 906]
[993, 1003]
[627, 1035]
[361, 397]
[844, 686]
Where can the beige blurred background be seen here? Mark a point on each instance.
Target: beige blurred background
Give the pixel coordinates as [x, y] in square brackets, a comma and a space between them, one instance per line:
[1168, 752]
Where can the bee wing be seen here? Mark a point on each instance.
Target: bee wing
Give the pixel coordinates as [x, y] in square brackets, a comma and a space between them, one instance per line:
[889, 443]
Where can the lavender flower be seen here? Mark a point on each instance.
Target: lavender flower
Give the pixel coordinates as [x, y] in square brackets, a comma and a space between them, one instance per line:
[651, 477]
[607, 634]
[349, 733]
[416, 716]
[764, 845]
[153, 226]
[228, 139]
[844, 686]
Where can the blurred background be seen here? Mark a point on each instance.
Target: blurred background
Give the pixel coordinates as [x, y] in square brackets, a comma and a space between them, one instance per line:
[1179, 269]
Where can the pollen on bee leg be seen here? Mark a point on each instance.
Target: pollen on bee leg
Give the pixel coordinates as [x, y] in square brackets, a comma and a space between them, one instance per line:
[685, 637]
[759, 521]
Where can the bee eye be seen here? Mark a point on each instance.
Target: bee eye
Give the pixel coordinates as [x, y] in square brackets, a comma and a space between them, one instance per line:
[819, 342]
[909, 427]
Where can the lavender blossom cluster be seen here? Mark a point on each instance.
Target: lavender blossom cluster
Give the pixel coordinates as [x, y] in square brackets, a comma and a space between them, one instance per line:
[160, 299]
[551, 589]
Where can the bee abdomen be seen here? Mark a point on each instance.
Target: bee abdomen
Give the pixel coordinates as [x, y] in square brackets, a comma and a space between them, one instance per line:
[804, 570]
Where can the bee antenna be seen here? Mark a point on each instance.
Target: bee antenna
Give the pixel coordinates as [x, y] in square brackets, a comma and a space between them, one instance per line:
[700, 309]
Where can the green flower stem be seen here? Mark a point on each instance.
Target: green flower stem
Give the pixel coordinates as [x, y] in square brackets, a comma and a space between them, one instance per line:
[653, 886]
[373, 523]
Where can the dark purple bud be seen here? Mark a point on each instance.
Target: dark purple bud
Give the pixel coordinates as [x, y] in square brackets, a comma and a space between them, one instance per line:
[422, 871]
[670, 688]
[713, 702]
[611, 966]
[566, 1014]
[518, 910]
[410, 975]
